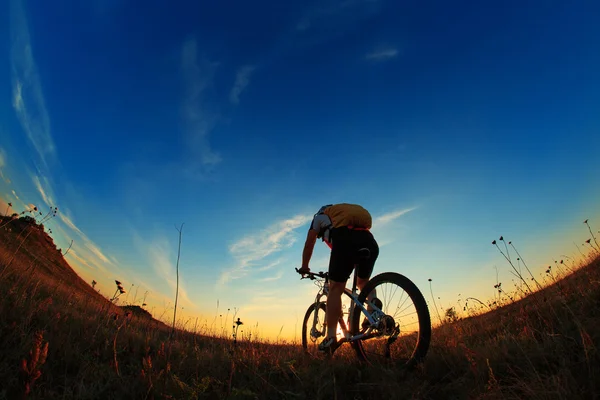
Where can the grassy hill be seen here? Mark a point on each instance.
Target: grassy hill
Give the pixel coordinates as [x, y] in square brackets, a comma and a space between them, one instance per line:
[60, 339]
[38, 253]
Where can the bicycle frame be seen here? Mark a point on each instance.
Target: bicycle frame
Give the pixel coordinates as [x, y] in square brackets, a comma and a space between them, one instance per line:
[373, 317]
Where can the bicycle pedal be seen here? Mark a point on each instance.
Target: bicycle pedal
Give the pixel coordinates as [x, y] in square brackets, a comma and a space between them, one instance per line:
[394, 335]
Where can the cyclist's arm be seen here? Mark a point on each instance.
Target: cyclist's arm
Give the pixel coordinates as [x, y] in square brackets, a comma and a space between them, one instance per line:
[309, 246]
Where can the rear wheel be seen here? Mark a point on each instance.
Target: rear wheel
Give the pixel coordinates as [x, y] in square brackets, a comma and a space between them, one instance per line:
[403, 329]
[313, 333]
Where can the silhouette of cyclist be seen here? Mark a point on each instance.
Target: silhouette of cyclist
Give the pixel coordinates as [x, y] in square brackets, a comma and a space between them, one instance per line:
[345, 228]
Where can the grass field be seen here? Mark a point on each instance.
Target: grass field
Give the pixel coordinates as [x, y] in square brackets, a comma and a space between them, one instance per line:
[59, 338]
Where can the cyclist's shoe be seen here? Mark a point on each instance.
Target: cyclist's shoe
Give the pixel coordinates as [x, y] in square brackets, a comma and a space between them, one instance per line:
[377, 303]
[329, 345]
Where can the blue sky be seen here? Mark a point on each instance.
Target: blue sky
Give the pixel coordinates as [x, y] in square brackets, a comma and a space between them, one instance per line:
[453, 124]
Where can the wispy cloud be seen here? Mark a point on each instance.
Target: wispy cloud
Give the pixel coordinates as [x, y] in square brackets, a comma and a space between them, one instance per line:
[198, 74]
[18, 199]
[269, 266]
[91, 247]
[44, 190]
[81, 255]
[251, 250]
[273, 278]
[382, 54]
[67, 220]
[242, 80]
[160, 255]
[391, 216]
[28, 99]
[86, 251]
[73, 254]
[97, 252]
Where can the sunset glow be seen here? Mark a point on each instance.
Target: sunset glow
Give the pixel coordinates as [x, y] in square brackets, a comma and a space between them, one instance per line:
[451, 128]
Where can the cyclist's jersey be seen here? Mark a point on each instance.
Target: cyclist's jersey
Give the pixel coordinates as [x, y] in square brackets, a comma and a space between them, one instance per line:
[334, 216]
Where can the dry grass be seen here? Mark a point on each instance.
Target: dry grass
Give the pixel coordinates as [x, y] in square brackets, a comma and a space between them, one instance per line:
[60, 339]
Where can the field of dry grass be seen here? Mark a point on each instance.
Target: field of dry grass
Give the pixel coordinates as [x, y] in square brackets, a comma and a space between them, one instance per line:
[61, 339]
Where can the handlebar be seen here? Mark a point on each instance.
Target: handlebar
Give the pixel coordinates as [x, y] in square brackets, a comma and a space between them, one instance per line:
[313, 275]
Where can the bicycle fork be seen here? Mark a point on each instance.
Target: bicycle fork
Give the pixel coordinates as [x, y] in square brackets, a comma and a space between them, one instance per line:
[314, 332]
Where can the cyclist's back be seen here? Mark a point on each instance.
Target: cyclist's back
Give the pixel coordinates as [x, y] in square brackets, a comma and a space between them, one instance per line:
[345, 228]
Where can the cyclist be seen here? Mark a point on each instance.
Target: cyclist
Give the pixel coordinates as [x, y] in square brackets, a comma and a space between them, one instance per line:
[345, 228]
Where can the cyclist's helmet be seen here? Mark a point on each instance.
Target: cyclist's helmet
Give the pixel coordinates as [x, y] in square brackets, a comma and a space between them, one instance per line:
[322, 209]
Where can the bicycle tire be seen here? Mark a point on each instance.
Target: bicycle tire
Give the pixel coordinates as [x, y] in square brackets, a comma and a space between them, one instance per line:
[307, 321]
[424, 321]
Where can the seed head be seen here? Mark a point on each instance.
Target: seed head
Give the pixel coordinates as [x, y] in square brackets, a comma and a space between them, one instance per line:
[494, 242]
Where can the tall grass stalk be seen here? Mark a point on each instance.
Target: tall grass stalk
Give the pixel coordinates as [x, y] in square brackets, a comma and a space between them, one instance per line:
[177, 285]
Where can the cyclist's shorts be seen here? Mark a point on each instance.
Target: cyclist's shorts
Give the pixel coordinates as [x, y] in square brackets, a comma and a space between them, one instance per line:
[345, 244]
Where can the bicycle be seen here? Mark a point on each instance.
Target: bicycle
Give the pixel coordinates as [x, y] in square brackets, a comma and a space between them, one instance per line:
[380, 329]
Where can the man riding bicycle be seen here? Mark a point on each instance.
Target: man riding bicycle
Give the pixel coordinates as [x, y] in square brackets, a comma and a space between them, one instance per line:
[345, 228]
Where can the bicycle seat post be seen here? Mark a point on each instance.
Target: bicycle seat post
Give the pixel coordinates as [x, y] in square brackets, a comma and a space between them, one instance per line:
[354, 280]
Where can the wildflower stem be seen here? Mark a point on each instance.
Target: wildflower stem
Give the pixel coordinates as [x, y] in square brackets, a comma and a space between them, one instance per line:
[477, 300]
[526, 267]
[592, 233]
[65, 253]
[579, 250]
[506, 247]
[513, 266]
[434, 305]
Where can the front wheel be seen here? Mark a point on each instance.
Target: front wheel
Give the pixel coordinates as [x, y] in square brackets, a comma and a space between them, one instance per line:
[403, 329]
[313, 331]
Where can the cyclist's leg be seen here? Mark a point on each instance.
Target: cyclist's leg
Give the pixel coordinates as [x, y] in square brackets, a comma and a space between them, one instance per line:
[365, 267]
[340, 268]
[360, 282]
[365, 239]
[334, 307]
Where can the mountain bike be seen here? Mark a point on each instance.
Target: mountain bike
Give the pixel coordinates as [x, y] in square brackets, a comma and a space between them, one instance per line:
[390, 331]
